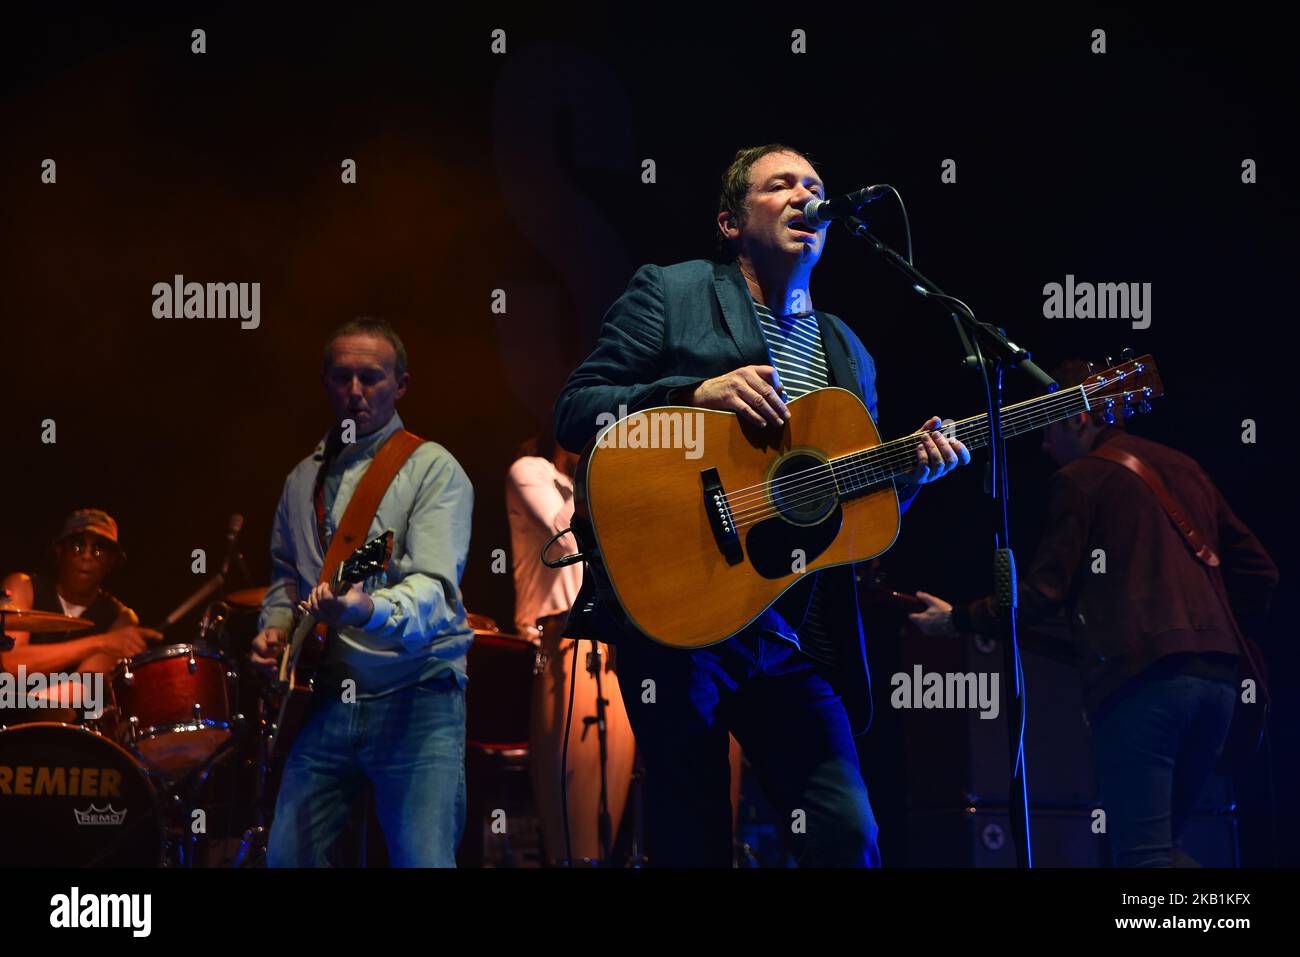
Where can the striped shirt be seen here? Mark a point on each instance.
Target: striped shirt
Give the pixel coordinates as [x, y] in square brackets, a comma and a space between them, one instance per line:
[794, 344]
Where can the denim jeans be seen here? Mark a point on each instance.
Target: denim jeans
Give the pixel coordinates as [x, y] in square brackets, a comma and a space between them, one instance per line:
[1157, 740]
[792, 727]
[411, 746]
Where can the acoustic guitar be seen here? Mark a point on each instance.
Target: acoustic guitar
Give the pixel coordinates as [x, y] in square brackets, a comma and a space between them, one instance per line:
[697, 525]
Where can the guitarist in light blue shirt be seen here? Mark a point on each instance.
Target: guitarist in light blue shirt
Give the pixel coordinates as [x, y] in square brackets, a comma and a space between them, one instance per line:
[389, 701]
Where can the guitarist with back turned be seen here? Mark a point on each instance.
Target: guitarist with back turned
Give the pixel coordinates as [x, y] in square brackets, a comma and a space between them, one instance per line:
[792, 686]
[388, 702]
[1159, 581]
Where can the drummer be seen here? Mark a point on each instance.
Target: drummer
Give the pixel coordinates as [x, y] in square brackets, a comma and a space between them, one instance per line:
[85, 552]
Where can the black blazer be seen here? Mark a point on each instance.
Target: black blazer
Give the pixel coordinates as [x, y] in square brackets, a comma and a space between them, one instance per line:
[676, 326]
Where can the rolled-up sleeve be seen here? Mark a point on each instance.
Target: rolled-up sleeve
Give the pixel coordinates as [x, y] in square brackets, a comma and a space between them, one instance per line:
[425, 601]
[542, 499]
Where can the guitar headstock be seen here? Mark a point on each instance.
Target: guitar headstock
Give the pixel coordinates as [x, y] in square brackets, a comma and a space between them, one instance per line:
[1130, 385]
[370, 559]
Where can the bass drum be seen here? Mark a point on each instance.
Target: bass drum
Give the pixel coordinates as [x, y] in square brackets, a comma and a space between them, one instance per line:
[69, 797]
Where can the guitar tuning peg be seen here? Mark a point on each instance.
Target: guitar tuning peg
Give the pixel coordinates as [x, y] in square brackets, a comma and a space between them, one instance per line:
[1109, 362]
[1108, 417]
[1144, 406]
[1129, 411]
[1091, 368]
[1126, 354]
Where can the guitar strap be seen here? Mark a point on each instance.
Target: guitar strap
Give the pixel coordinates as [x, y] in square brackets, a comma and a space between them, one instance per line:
[1194, 540]
[355, 524]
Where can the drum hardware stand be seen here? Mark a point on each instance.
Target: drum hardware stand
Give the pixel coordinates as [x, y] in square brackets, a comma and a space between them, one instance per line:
[635, 853]
[183, 794]
[6, 643]
[256, 835]
[168, 799]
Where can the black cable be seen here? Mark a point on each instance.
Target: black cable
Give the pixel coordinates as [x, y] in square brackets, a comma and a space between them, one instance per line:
[564, 755]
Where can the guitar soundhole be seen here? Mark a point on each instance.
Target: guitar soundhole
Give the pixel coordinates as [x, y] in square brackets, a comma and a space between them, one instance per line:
[803, 489]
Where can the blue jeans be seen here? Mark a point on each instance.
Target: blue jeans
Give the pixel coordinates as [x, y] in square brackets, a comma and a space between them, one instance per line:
[411, 746]
[1157, 740]
[792, 727]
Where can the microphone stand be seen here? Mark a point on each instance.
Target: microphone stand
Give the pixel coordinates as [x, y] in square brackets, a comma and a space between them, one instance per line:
[604, 825]
[1002, 354]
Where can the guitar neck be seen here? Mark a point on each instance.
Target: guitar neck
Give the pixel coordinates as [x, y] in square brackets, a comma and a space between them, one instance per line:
[858, 471]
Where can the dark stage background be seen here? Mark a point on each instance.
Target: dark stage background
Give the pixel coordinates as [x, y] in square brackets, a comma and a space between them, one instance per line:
[523, 172]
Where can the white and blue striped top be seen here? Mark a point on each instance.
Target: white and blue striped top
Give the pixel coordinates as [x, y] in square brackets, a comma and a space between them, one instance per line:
[795, 346]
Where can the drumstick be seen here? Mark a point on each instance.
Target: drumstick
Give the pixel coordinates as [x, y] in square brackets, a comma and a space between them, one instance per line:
[202, 593]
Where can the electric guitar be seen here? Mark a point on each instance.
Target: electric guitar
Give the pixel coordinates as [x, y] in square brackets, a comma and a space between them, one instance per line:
[696, 548]
[306, 648]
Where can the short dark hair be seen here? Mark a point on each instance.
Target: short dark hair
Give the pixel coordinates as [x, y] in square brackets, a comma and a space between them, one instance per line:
[735, 186]
[1073, 371]
[368, 326]
[542, 445]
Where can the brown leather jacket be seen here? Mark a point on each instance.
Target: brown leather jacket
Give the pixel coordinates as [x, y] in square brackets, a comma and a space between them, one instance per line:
[1154, 597]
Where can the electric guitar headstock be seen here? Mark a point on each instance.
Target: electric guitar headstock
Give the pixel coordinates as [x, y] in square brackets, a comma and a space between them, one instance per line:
[368, 560]
[1130, 385]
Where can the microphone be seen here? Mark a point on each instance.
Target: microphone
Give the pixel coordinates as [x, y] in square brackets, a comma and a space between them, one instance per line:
[233, 528]
[820, 212]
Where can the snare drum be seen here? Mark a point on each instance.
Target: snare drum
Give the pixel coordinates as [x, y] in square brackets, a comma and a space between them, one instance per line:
[69, 797]
[173, 705]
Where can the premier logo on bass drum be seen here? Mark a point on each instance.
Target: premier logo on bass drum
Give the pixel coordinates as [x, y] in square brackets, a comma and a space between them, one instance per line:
[25, 780]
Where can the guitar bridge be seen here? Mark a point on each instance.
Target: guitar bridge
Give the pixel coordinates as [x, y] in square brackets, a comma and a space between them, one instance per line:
[720, 518]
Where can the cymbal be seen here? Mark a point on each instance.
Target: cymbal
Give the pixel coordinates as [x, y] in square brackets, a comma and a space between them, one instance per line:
[40, 622]
[247, 597]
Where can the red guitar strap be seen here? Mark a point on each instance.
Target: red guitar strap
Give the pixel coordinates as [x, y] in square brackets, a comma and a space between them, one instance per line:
[355, 524]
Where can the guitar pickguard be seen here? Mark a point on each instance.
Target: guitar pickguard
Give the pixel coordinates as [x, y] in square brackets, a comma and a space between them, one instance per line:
[771, 544]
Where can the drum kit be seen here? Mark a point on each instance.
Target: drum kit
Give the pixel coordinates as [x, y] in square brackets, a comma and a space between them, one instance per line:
[115, 789]
[171, 747]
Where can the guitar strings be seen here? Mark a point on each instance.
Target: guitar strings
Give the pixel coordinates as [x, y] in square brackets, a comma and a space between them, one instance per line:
[897, 451]
[905, 445]
[888, 460]
[813, 483]
[871, 475]
[871, 466]
[900, 451]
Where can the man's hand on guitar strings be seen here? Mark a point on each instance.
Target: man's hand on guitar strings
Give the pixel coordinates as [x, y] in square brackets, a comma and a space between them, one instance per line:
[353, 607]
[936, 455]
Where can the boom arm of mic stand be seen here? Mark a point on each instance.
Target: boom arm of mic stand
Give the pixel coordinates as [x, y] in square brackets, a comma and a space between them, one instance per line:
[967, 325]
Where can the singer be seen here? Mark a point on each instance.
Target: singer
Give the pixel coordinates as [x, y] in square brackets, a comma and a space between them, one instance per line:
[742, 336]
